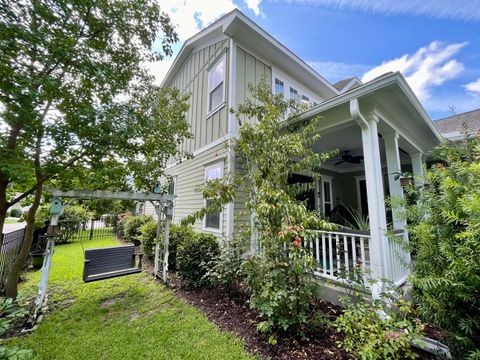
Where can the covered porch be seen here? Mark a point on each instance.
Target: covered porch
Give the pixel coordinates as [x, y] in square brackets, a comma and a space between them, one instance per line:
[380, 131]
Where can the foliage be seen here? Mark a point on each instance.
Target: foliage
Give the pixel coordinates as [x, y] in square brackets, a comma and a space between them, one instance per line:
[16, 213]
[132, 229]
[227, 267]
[120, 224]
[283, 284]
[359, 220]
[383, 328]
[445, 236]
[177, 235]
[79, 106]
[10, 313]
[194, 255]
[103, 318]
[271, 149]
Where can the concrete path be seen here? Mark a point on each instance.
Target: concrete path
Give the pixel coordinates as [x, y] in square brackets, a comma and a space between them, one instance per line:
[12, 227]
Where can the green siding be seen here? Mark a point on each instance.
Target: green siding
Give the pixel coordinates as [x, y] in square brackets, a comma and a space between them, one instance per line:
[192, 78]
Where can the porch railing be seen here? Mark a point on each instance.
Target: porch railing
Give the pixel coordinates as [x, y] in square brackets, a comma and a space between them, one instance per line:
[340, 255]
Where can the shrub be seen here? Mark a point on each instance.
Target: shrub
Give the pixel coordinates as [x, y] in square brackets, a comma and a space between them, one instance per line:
[373, 334]
[132, 227]
[10, 313]
[445, 234]
[70, 221]
[16, 213]
[177, 235]
[225, 271]
[283, 286]
[120, 225]
[194, 255]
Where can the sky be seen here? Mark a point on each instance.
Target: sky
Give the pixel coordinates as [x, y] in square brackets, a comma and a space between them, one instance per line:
[435, 44]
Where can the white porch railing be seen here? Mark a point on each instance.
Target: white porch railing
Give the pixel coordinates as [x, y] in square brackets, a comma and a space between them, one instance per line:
[340, 255]
[399, 258]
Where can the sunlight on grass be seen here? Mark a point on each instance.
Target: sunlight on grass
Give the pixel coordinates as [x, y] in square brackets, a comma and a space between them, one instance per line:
[132, 317]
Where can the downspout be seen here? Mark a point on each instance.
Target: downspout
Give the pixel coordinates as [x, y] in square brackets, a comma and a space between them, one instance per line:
[378, 252]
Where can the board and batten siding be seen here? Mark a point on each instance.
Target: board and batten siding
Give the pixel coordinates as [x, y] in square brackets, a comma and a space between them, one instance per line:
[250, 70]
[192, 78]
[189, 175]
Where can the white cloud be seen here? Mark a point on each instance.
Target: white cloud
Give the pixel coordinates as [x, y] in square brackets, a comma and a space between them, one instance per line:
[254, 5]
[335, 71]
[190, 16]
[473, 87]
[466, 10]
[429, 67]
[159, 69]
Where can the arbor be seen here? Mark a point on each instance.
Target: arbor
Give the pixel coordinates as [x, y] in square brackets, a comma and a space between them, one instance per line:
[77, 104]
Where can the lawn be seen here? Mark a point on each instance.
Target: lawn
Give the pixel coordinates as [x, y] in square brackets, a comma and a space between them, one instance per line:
[11, 220]
[132, 317]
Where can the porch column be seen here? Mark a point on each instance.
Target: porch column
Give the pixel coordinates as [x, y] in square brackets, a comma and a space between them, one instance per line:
[379, 249]
[394, 169]
[400, 260]
[417, 169]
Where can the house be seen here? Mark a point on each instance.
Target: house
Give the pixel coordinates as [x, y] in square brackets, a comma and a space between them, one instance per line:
[379, 127]
[457, 126]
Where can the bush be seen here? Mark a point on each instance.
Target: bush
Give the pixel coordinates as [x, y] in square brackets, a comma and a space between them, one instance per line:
[120, 225]
[70, 221]
[132, 227]
[283, 287]
[177, 235]
[445, 234]
[10, 313]
[225, 271]
[373, 334]
[16, 213]
[194, 255]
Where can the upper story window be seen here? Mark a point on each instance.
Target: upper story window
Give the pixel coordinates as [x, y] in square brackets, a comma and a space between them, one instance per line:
[279, 86]
[216, 84]
[293, 93]
[213, 221]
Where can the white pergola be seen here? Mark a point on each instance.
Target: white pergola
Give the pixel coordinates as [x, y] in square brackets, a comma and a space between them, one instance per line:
[163, 207]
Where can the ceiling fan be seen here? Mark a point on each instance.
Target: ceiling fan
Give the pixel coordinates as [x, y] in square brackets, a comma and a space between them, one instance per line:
[346, 157]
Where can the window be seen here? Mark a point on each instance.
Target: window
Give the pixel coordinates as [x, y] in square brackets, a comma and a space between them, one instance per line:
[213, 221]
[216, 84]
[279, 86]
[327, 196]
[293, 93]
[305, 99]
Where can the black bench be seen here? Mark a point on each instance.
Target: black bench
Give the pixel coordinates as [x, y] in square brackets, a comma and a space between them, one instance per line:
[110, 262]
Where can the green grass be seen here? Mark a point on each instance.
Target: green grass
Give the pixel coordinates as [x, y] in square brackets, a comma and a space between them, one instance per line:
[132, 317]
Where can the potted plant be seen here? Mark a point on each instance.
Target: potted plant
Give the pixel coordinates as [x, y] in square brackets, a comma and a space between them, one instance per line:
[37, 251]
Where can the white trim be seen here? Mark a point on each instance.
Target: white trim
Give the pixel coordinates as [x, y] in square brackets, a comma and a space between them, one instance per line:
[232, 89]
[359, 195]
[326, 179]
[212, 144]
[216, 164]
[288, 83]
[218, 108]
[208, 43]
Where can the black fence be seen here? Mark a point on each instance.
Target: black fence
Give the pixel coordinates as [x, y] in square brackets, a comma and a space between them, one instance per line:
[99, 228]
[11, 246]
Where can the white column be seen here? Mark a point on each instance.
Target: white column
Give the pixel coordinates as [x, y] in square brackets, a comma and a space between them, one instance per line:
[394, 169]
[379, 248]
[417, 169]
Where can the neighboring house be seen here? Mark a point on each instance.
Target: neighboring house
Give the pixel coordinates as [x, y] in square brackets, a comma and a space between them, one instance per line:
[379, 127]
[457, 126]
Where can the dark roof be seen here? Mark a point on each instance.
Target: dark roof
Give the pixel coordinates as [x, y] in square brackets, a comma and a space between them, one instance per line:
[342, 83]
[455, 123]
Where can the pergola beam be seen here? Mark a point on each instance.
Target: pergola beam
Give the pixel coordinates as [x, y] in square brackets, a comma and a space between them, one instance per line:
[111, 195]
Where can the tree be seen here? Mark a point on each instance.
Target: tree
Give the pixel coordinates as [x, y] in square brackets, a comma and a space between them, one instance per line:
[270, 149]
[77, 103]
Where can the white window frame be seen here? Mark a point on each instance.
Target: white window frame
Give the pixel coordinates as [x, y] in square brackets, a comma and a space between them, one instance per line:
[213, 165]
[289, 83]
[222, 56]
[326, 179]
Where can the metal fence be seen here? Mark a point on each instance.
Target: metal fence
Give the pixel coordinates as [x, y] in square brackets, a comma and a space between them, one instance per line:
[11, 246]
[99, 228]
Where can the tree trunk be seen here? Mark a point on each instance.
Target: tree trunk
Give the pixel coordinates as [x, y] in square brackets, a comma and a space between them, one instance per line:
[12, 279]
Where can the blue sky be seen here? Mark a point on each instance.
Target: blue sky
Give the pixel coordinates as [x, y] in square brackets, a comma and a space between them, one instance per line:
[434, 43]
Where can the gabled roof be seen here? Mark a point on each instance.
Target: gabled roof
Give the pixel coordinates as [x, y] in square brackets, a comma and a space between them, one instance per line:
[238, 26]
[452, 127]
[347, 84]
